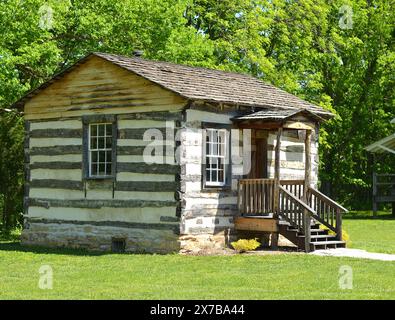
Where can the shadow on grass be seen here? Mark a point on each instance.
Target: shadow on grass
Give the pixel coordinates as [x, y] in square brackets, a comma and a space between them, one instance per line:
[17, 246]
[368, 215]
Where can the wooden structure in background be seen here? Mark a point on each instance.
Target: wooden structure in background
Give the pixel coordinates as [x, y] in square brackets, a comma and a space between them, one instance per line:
[383, 185]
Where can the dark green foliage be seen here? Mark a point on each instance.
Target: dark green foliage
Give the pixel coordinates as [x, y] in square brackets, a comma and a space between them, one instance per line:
[296, 45]
[11, 169]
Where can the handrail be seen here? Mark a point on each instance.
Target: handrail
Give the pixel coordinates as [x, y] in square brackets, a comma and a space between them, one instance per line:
[297, 213]
[327, 199]
[299, 201]
[328, 212]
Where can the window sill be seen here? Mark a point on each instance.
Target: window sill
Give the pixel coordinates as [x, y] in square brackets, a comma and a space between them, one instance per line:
[216, 189]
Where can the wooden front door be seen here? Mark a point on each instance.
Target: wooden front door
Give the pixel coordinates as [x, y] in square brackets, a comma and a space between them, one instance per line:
[259, 155]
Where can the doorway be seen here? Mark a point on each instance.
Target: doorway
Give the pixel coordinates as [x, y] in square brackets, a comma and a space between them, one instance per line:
[259, 155]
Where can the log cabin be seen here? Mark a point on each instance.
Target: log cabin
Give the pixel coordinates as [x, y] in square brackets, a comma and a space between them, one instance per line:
[129, 154]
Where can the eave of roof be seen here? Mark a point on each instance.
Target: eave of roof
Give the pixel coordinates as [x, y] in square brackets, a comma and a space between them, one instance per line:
[386, 144]
[277, 115]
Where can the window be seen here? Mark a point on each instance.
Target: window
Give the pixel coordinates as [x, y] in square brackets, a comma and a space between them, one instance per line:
[216, 157]
[118, 245]
[100, 149]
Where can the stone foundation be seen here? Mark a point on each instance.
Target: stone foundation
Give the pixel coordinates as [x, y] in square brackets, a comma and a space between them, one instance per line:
[217, 243]
[99, 238]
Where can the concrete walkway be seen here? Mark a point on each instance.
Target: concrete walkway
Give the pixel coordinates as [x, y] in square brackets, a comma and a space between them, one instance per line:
[354, 253]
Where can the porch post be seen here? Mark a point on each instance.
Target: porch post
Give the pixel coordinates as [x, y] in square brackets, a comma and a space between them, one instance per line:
[374, 194]
[307, 168]
[276, 194]
[307, 171]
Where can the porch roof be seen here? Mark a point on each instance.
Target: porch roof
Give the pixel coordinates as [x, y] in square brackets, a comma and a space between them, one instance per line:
[386, 144]
[277, 115]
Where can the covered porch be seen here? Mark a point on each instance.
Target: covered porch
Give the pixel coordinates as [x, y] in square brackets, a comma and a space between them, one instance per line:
[383, 183]
[291, 207]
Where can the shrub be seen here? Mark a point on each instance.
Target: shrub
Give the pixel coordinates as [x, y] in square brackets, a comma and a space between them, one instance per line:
[345, 235]
[243, 245]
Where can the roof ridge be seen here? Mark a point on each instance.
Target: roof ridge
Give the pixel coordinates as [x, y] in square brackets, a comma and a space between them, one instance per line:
[185, 65]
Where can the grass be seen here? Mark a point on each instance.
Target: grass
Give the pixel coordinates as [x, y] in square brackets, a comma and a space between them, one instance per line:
[371, 234]
[82, 275]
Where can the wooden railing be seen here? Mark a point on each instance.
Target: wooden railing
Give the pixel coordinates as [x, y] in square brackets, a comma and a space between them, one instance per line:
[256, 196]
[294, 210]
[295, 187]
[326, 211]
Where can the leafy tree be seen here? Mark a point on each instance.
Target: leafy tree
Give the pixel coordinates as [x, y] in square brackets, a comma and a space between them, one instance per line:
[11, 165]
[306, 47]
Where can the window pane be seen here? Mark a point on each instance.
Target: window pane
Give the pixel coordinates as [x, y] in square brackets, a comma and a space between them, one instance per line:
[214, 175]
[93, 130]
[208, 178]
[101, 143]
[101, 130]
[222, 149]
[221, 176]
[102, 156]
[101, 169]
[94, 169]
[108, 156]
[108, 130]
[94, 156]
[108, 168]
[93, 143]
[108, 143]
[220, 163]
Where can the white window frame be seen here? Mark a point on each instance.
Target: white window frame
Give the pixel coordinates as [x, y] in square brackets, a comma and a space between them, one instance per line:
[97, 149]
[221, 153]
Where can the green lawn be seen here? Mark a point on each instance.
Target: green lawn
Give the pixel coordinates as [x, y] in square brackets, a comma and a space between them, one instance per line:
[79, 275]
[371, 234]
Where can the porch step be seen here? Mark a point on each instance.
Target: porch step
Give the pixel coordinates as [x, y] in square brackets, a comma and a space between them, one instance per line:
[327, 244]
[313, 231]
[319, 238]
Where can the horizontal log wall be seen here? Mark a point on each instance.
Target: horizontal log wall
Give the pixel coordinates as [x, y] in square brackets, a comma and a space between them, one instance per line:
[142, 194]
[56, 168]
[292, 157]
[203, 211]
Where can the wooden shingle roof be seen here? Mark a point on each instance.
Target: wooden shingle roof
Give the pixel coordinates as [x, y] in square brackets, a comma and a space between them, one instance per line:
[210, 85]
[195, 83]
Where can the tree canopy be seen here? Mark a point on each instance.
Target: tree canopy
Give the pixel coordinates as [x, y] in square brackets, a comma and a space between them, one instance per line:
[338, 54]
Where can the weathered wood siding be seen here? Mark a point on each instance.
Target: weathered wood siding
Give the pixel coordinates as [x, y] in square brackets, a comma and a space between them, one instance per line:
[203, 211]
[99, 87]
[207, 211]
[141, 195]
[141, 201]
[292, 155]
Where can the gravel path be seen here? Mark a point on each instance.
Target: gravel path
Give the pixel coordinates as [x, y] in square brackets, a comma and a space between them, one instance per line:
[354, 253]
